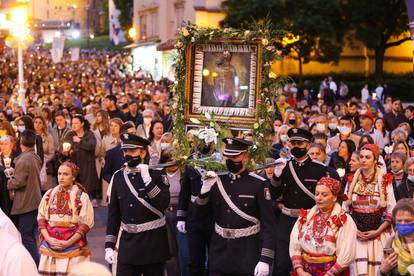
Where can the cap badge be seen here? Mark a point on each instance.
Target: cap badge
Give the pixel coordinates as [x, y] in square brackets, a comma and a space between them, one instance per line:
[295, 130]
[126, 136]
[230, 141]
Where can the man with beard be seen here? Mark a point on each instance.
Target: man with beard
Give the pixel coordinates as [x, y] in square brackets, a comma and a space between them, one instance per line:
[295, 180]
[244, 226]
[395, 117]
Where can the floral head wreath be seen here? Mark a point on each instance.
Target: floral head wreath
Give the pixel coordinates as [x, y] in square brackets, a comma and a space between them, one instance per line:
[333, 184]
[372, 148]
[72, 166]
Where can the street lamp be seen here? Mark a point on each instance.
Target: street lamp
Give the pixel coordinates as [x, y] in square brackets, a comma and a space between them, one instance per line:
[20, 31]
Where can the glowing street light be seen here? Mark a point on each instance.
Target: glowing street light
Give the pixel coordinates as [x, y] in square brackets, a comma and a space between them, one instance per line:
[19, 30]
[132, 33]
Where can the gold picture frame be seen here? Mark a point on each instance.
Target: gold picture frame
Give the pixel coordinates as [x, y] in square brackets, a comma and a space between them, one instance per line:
[223, 78]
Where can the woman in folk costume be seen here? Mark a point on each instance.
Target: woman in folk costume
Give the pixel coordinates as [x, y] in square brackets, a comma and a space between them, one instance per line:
[65, 217]
[321, 241]
[370, 203]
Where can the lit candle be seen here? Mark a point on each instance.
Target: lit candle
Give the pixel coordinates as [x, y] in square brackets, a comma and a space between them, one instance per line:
[66, 146]
[7, 162]
[341, 172]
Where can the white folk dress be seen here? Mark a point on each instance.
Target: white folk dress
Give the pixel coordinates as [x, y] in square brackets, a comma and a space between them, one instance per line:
[323, 246]
[366, 202]
[64, 212]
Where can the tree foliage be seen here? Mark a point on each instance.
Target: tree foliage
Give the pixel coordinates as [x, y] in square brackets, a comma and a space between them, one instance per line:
[375, 23]
[317, 23]
[126, 7]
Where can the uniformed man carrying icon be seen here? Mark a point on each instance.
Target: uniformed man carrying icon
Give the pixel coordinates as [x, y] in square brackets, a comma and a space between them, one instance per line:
[244, 227]
[138, 200]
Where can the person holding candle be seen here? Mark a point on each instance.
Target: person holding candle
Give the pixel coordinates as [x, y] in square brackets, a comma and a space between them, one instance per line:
[81, 143]
[65, 217]
[340, 159]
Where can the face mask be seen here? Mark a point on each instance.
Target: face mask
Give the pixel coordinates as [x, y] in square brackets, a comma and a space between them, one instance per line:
[332, 126]
[320, 127]
[132, 161]
[344, 130]
[276, 129]
[21, 128]
[147, 121]
[283, 138]
[298, 152]
[397, 172]
[164, 146]
[292, 121]
[9, 112]
[411, 178]
[234, 167]
[404, 229]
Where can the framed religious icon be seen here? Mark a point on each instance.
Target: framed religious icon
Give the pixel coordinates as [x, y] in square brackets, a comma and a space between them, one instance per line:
[223, 78]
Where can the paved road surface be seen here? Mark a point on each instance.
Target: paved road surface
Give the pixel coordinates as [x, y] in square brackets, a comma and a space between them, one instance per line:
[96, 236]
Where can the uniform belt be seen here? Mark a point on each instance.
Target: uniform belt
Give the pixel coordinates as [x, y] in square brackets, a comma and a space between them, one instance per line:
[294, 213]
[147, 226]
[237, 233]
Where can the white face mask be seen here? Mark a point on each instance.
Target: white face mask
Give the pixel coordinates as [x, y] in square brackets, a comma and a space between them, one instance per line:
[283, 138]
[320, 127]
[21, 128]
[411, 178]
[164, 146]
[397, 172]
[333, 126]
[276, 129]
[344, 130]
[147, 121]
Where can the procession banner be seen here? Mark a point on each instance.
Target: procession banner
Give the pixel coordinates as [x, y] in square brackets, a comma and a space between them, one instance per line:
[74, 54]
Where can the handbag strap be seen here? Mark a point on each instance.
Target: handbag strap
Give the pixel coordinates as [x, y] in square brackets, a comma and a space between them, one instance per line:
[141, 200]
[232, 205]
[300, 184]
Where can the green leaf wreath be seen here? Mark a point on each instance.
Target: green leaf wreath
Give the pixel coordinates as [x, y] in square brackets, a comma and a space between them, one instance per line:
[272, 49]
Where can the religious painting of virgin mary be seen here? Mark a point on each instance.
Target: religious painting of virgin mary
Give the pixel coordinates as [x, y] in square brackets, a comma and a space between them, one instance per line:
[223, 81]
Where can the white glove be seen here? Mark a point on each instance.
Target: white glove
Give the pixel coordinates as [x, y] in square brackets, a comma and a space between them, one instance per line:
[143, 169]
[280, 166]
[109, 255]
[261, 269]
[208, 181]
[181, 227]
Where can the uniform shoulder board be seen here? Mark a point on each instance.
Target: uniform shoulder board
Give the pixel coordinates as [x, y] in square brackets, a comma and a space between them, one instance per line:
[257, 176]
[319, 162]
[165, 181]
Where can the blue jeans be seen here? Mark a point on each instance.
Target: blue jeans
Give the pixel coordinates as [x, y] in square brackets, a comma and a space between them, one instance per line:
[178, 248]
[27, 225]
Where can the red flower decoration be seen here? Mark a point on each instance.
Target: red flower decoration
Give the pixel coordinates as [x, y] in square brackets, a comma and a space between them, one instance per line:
[343, 197]
[350, 177]
[388, 178]
[302, 216]
[336, 221]
[343, 218]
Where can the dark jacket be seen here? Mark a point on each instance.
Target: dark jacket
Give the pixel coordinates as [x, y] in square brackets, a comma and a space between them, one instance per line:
[26, 183]
[391, 121]
[114, 159]
[83, 155]
[116, 114]
[405, 190]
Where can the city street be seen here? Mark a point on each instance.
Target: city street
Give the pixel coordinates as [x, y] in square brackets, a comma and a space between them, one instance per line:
[96, 236]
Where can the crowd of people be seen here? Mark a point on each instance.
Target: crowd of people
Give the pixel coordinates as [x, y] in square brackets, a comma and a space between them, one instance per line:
[335, 197]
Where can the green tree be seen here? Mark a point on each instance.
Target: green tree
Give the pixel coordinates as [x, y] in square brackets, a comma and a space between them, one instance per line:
[317, 23]
[126, 7]
[375, 23]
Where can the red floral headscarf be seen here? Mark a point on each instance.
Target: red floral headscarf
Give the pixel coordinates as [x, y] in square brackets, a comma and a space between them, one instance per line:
[72, 167]
[333, 184]
[372, 148]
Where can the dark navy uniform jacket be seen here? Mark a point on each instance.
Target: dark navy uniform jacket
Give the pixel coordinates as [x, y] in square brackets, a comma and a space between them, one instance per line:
[250, 193]
[309, 172]
[147, 247]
